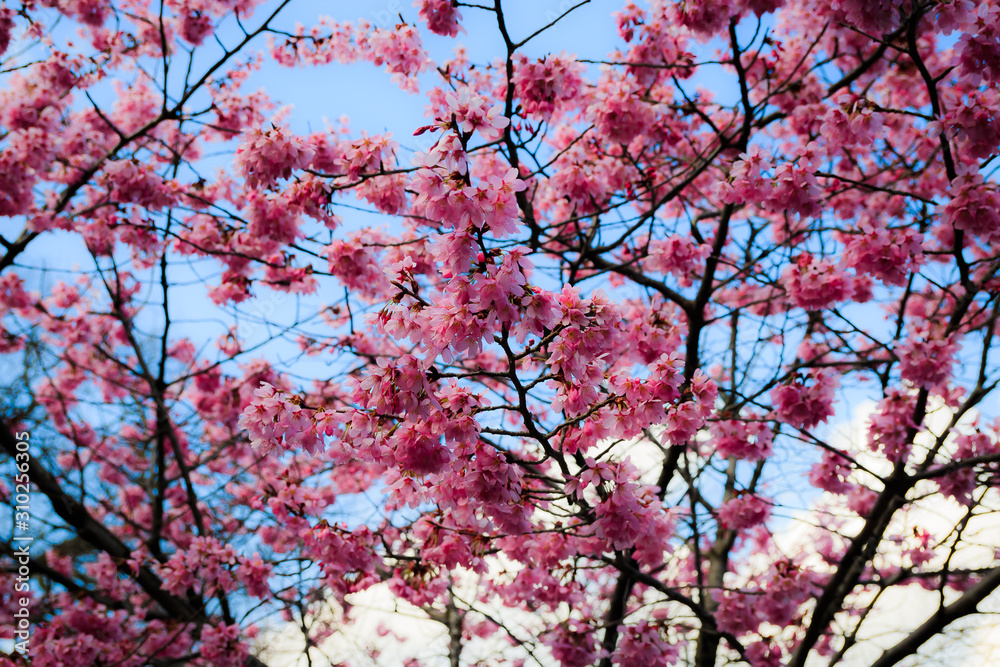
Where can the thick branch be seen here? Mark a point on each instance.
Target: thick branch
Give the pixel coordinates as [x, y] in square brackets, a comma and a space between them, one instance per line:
[964, 606]
[94, 532]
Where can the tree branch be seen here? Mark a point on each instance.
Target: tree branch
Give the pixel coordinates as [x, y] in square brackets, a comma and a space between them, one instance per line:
[964, 606]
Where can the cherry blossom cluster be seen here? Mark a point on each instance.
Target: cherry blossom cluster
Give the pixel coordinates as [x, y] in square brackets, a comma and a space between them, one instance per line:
[264, 158]
[548, 84]
[815, 283]
[884, 252]
[805, 401]
[926, 357]
[677, 255]
[399, 48]
[617, 112]
[748, 438]
[973, 207]
[276, 420]
[441, 16]
[743, 512]
[890, 424]
[961, 483]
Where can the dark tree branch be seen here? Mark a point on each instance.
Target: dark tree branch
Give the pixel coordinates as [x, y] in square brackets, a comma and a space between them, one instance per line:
[966, 605]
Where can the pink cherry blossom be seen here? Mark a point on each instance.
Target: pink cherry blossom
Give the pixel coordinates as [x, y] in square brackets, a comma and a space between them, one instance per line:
[442, 16]
[264, 158]
[805, 402]
[814, 283]
[743, 512]
[549, 84]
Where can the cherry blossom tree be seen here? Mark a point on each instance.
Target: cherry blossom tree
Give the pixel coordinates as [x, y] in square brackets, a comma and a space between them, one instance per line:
[578, 392]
